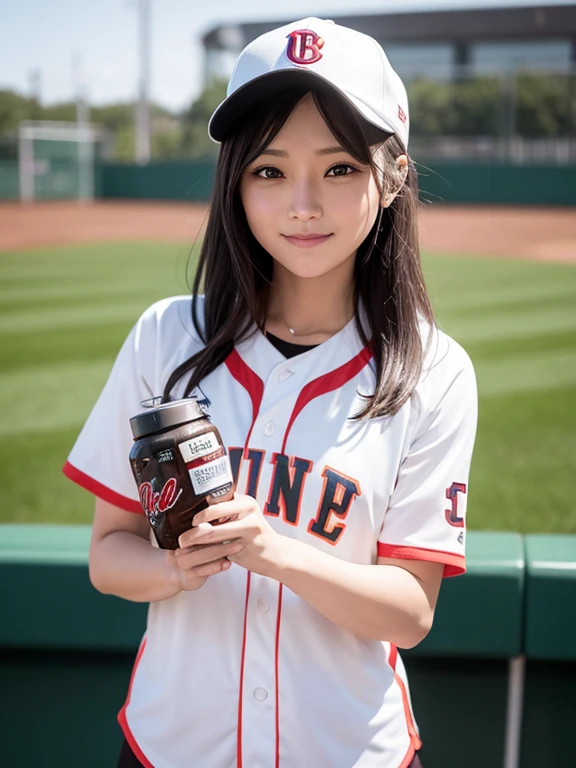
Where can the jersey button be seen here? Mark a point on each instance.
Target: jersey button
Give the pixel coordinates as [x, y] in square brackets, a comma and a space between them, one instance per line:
[263, 605]
[269, 428]
[283, 375]
[260, 694]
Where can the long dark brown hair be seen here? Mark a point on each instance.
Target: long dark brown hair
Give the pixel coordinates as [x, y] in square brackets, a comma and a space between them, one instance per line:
[235, 272]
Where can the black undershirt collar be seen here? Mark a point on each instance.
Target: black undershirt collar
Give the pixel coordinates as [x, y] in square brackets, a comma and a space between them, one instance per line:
[288, 348]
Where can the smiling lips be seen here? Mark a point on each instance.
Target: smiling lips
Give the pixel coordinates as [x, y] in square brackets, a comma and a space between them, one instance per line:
[307, 241]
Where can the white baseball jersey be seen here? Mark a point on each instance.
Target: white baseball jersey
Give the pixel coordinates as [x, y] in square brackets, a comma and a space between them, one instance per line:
[243, 673]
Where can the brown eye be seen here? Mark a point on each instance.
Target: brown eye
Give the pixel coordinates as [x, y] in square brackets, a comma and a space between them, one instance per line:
[269, 172]
[342, 169]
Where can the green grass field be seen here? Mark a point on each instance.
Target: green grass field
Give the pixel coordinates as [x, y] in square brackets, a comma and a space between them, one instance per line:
[64, 313]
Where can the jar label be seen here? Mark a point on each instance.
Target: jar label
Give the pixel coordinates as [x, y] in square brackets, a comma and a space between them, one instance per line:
[199, 446]
[206, 477]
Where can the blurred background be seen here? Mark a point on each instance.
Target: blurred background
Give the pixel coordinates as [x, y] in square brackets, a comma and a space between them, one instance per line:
[106, 170]
[485, 79]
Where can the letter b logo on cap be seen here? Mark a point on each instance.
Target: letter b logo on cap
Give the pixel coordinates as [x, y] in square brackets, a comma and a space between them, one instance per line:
[304, 46]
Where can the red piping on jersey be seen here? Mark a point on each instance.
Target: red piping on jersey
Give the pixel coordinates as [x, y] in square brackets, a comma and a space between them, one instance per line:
[327, 383]
[251, 382]
[454, 565]
[254, 385]
[277, 765]
[407, 762]
[239, 733]
[89, 484]
[415, 742]
[122, 714]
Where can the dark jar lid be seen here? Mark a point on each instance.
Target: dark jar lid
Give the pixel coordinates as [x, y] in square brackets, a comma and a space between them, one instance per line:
[166, 415]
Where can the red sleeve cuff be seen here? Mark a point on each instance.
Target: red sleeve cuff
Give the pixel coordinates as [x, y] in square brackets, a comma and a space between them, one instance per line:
[101, 491]
[454, 565]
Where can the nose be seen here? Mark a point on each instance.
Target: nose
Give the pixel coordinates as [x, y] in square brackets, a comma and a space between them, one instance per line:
[305, 202]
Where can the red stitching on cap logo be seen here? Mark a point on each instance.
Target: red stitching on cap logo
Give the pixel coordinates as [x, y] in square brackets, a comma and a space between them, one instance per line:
[304, 46]
[401, 114]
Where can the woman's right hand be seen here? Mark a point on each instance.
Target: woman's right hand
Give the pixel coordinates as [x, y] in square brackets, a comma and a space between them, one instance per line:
[124, 563]
[189, 568]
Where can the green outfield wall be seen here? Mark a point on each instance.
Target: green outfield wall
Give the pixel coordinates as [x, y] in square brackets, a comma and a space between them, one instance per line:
[174, 180]
[9, 181]
[67, 654]
[445, 182]
[493, 183]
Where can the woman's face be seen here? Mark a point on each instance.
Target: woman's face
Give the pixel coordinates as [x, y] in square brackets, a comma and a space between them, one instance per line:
[304, 185]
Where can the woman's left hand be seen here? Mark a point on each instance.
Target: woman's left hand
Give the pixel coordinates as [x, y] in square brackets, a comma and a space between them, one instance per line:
[246, 525]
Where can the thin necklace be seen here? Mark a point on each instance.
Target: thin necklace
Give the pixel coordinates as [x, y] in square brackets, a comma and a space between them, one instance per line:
[310, 333]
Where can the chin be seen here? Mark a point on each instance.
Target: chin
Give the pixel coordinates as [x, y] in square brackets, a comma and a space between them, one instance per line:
[308, 266]
[308, 275]
[307, 272]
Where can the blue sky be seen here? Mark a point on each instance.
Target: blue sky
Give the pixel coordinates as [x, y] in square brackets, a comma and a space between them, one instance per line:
[97, 41]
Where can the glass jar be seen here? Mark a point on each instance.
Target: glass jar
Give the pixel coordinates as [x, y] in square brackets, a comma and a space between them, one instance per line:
[180, 464]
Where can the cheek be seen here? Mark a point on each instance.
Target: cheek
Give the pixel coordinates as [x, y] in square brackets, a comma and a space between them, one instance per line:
[358, 210]
[258, 206]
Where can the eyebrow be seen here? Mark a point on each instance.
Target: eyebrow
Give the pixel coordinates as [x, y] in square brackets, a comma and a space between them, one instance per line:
[319, 152]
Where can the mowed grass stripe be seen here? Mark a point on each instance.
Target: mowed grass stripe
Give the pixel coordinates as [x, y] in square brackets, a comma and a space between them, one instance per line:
[36, 491]
[74, 296]
[468, 327]
[46, 398]
[469, 296]
[559, 301]
[49, 347]
[82, 287]
[89, 317]
[507, 296]
[545, 371]
[467, 275]
[56, 357]
[504, 347]
[97, 260]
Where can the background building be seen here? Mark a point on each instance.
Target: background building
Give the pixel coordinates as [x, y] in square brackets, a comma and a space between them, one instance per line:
[482, 83]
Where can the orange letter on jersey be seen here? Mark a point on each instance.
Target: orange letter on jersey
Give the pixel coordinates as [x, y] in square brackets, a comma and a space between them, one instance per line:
[337, 497]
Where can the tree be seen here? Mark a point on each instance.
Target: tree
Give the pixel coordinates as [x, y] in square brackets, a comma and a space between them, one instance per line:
[117, 119]
[113, 116]
[545, 105]
[196, 142]
[64, 112]
[475, 106]
[14, 108]
[429, 107]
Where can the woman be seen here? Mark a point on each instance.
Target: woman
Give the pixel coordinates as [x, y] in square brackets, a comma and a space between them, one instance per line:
[349, 419]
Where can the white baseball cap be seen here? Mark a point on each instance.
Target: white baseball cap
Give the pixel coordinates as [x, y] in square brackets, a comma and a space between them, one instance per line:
[313, 52]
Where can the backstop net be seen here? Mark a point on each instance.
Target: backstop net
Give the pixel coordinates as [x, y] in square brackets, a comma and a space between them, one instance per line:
[55, 161]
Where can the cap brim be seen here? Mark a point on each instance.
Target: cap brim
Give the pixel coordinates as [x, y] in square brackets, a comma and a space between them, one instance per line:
[232, 109]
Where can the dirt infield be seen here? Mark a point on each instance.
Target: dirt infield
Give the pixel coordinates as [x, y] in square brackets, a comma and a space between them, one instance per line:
[528, 233]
